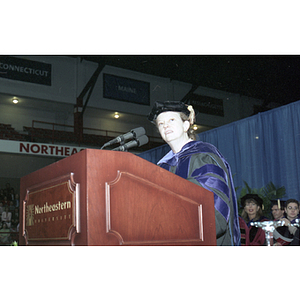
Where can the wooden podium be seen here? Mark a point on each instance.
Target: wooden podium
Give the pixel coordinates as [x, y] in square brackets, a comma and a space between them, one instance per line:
[103, 197]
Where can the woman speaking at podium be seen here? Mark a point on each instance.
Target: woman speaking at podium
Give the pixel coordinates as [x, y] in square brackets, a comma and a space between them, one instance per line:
[198, 162]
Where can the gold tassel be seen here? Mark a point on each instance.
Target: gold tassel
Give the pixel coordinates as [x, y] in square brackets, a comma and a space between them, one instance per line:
[192, 114]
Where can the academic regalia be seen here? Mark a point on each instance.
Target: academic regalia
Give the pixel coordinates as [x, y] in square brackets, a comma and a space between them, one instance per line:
[257, 236]
[244, 232]
[203, 164]
[283, 236]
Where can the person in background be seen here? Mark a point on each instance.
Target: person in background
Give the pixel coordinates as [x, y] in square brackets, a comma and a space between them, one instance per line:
[7, 190]
[17, 200]
[198, 162]
[1, 194]
[14, 224]
[6, 216]
[244, 232]
[4, 234]
[252, 212]
[5, 201]
[11, 206]
[277, 209]
[288, 235]
[1, 210]
[12, 195]
[15, 213]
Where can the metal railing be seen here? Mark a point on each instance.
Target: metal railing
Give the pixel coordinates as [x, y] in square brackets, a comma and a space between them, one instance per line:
[101, 133]
[58, 127]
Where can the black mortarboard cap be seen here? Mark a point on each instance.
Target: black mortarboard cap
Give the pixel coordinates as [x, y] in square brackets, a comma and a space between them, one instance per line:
[254, 197]
[160, 107]
[279, 202]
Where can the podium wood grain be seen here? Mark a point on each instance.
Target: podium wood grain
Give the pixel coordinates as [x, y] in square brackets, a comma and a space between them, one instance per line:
[126, 200]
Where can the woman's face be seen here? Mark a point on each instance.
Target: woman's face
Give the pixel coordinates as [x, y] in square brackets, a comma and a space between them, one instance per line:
[251, 208]
[171, 127]
[292, 211]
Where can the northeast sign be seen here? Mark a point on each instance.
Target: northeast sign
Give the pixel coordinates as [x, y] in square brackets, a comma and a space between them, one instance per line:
[25, 70]
[37, 148]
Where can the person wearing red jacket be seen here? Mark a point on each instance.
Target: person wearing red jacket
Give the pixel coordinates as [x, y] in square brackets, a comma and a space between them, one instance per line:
[252, 212]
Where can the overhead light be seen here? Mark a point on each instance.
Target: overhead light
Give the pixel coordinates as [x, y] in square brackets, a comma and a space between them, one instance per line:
[195, 127]
[15, 100]
[117, 116]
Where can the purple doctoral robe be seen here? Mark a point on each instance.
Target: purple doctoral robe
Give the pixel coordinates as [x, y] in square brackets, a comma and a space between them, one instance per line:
[203, 164]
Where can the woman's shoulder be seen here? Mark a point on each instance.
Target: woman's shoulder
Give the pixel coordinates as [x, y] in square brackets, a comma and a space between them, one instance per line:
[204, 146]
[202, 151]
[200, 148]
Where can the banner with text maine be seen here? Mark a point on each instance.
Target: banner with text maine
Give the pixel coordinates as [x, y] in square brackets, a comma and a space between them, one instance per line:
[125, 89]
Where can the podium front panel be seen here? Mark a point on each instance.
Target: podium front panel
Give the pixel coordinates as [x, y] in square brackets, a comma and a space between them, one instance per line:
[122, 200]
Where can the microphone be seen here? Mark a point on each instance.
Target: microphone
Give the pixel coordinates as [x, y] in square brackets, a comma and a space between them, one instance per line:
[134, 133]
[142, 140]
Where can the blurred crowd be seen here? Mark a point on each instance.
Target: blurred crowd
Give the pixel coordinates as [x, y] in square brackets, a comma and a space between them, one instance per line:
[9, 214]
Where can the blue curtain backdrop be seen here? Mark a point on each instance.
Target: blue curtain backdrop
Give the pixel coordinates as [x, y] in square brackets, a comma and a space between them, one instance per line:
[259, 149]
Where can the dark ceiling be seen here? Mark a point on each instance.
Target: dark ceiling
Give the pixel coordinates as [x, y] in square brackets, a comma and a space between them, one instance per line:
[270, 78]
